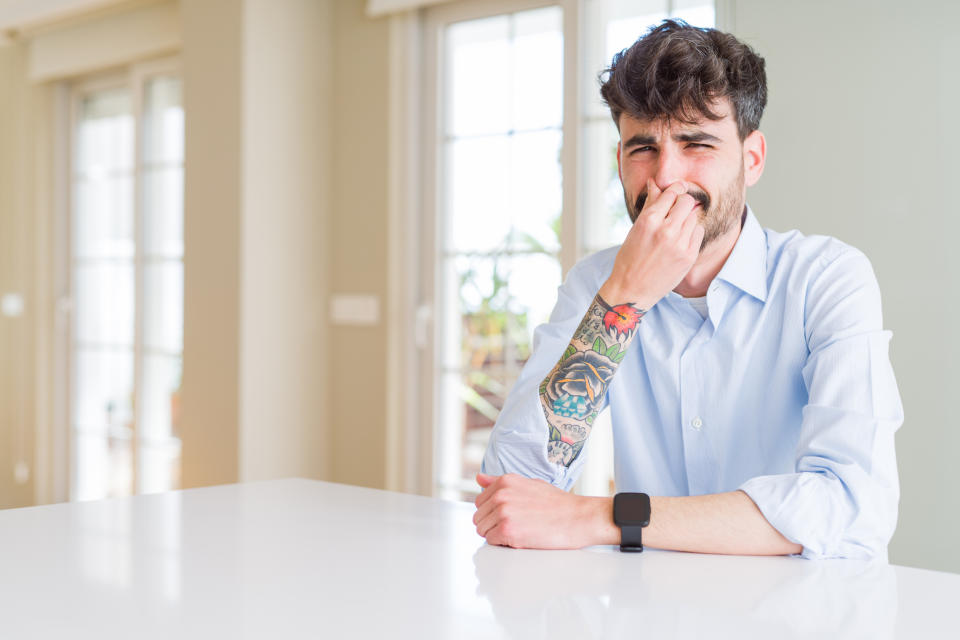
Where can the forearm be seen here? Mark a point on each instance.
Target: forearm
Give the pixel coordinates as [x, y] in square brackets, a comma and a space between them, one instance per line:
[573, 393]
[727, 523]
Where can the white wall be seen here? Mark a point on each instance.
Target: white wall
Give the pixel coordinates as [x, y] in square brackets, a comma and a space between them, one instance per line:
[257, 78]
[16, 238]
[358, 244]
[287, 75]
[862, 130]
[212, 89]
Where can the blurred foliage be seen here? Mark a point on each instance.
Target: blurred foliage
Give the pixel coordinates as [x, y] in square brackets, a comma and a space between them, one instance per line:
[496, 327]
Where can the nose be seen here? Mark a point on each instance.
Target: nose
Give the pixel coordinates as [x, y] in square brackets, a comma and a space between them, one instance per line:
[670, 167]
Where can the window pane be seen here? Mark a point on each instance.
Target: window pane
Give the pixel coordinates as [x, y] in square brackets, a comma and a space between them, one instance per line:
[163, 305]
[163, 121]
[488, 337]
[105, 133]
[498, 301]
[478, 76]
[504, 193]
[159, 467]
[536, 190]
[103, 217]
[104, 293]
[696, 12]
[122, 240]
[624, 31]
[605, 221]
[103, 398]
[538, 69]
[163, 211]
[160, 398]
[478, 181]
[500, 220]
[159, 447]
[505, 73]
[102, 467]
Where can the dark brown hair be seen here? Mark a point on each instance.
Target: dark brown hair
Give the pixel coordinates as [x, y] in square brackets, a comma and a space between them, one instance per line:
[676, 72]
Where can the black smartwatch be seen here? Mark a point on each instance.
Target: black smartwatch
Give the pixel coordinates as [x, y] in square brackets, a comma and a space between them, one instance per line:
[631, 512]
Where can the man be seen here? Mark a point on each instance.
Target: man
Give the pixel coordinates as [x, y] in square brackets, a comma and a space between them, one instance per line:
[746, 371]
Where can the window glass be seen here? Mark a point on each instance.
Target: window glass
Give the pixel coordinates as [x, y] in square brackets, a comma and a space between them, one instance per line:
[127, 287]
[500, 221]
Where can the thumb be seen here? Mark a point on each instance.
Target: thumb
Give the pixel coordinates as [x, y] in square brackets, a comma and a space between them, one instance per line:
[485, 480]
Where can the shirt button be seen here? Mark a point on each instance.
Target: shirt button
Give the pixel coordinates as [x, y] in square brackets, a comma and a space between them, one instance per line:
[696, 423]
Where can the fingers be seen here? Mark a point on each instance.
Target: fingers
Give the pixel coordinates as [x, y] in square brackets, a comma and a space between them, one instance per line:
[484, 480]
[491, 502]
[688, 223]
[659, 202]
[494, 535]
[486, 521]
[682, 209]
[691, 233]
[489, 511]
[488, 483]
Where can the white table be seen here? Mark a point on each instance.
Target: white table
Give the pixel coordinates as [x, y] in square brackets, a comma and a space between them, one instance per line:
[305, 559]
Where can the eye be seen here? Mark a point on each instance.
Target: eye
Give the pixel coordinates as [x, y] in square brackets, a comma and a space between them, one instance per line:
[698, 145]
[641, 149]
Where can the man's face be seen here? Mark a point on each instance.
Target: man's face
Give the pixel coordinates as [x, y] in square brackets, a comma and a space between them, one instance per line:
[707, 155]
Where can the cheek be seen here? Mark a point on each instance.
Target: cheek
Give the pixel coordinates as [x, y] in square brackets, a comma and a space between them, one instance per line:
[714, 176]
[704, 170]
[634, 175]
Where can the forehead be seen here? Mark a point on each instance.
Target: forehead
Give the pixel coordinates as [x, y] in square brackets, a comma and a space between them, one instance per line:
[723, 128]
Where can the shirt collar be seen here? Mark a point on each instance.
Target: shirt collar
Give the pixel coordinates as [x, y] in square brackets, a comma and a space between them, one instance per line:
[746, 266]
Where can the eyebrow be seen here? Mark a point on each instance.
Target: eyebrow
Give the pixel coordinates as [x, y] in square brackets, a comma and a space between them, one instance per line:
[689, 136]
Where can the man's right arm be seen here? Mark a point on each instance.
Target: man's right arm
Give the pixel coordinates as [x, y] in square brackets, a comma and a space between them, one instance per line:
[575, 391]
[658, 251]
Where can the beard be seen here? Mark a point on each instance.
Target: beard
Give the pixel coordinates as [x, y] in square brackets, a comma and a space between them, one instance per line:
[717, 217]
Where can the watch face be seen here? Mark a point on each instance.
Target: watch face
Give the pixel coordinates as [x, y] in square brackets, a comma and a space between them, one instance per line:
[631, 509]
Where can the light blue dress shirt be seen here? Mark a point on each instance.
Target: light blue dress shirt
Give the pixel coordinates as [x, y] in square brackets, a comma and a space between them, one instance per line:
[784, 390]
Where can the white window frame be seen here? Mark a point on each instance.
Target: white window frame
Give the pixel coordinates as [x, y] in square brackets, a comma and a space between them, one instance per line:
[69, 95]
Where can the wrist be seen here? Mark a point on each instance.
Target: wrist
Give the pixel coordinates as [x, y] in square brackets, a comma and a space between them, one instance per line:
[614, 293]
[600, 519]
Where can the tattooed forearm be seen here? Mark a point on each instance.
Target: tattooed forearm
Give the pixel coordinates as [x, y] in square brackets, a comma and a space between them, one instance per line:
[574, 392]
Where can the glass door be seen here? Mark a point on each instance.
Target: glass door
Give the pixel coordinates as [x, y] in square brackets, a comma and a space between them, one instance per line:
[126, 275]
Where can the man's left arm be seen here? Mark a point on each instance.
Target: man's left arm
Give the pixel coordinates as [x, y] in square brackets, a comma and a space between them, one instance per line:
[524, 513]
[840, 501]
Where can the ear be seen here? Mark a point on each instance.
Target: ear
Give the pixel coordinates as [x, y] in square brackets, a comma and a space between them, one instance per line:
[754, 157]
[619, 170]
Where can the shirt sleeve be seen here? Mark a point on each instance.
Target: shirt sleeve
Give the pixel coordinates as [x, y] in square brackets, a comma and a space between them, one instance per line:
[842, 500]
[518, 443]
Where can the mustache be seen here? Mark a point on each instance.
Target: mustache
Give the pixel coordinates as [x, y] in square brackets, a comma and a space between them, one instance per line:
[698, 195]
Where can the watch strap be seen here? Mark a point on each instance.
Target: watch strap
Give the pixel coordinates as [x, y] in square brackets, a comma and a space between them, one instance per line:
[631, 538]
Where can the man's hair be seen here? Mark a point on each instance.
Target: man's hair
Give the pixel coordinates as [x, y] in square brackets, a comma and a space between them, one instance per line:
[676, 72]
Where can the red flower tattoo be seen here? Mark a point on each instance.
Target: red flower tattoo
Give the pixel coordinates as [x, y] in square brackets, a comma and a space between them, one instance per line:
[621, 319]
